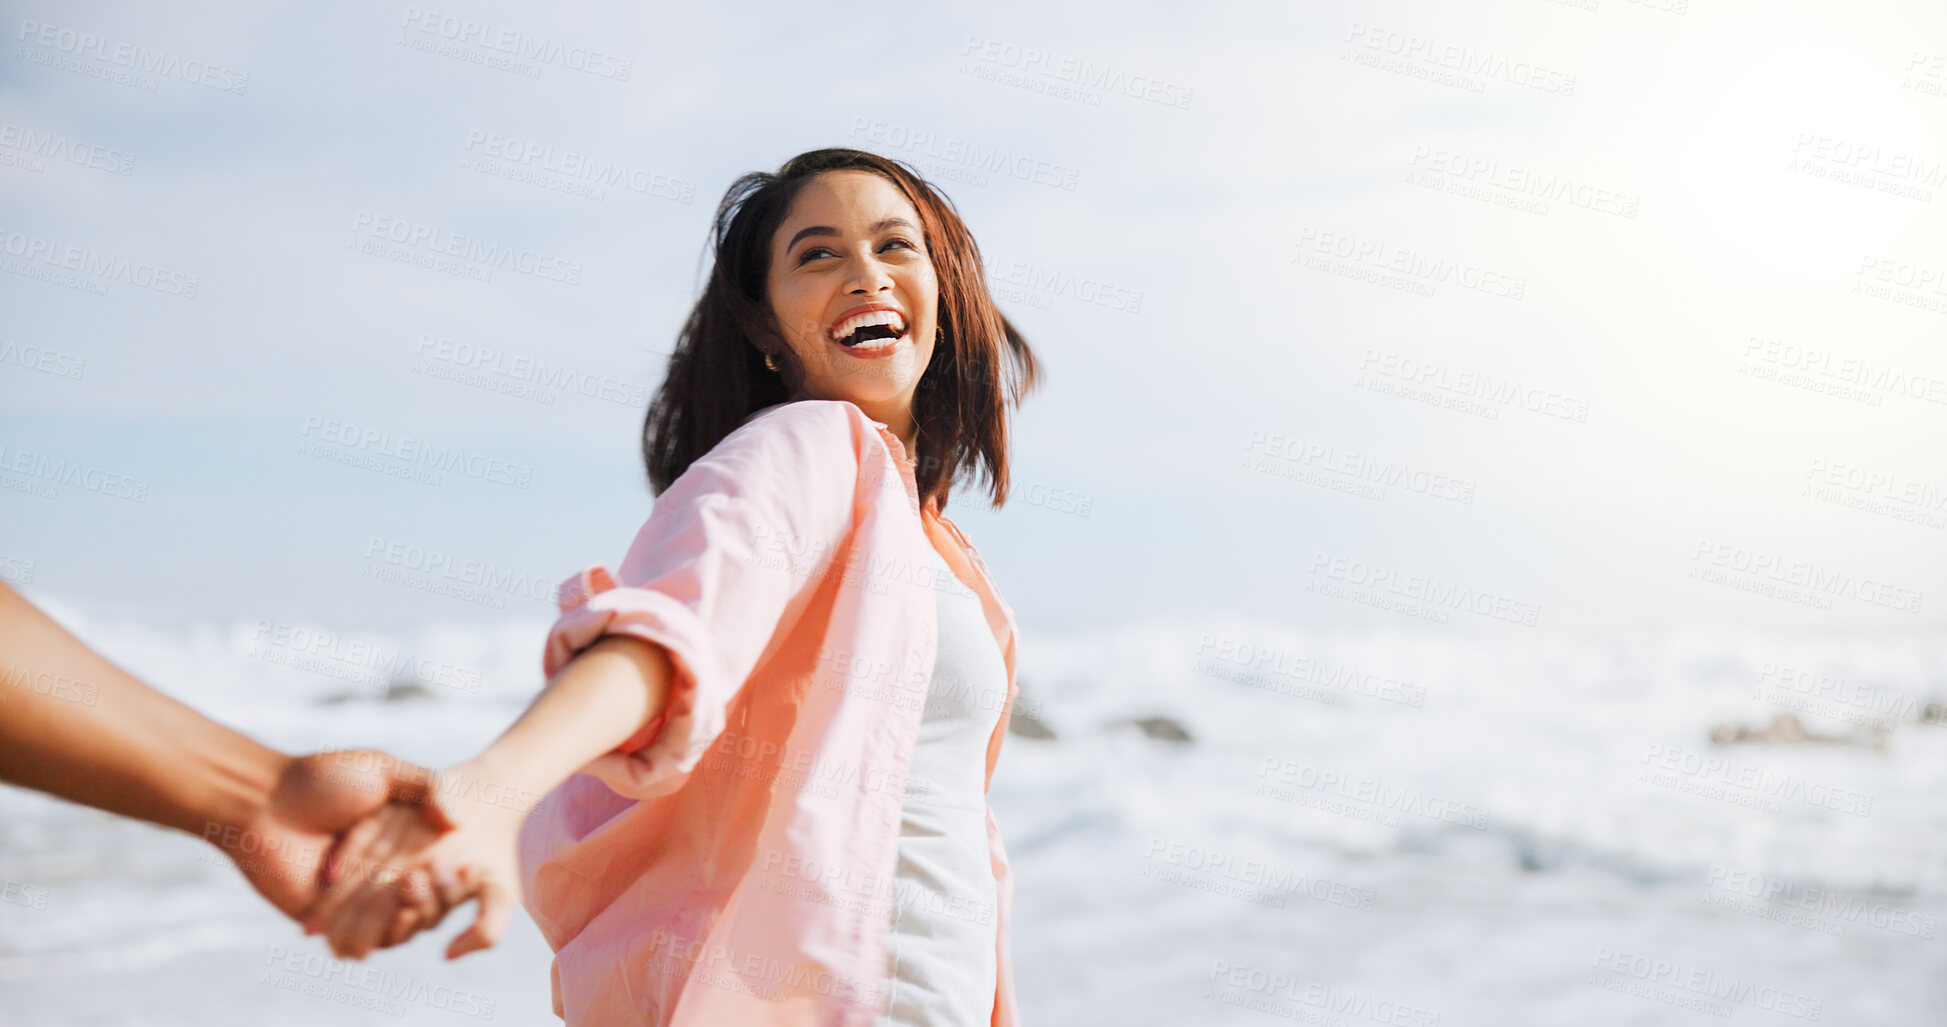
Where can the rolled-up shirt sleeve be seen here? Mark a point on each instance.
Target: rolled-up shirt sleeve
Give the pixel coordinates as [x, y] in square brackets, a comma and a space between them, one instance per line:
[726, 561]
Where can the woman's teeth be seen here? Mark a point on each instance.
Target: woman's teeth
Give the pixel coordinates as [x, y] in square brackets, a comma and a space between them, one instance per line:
[874, 343]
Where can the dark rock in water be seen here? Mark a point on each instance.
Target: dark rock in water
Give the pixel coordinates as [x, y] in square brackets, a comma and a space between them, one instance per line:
[395, 691]
[1787, 729]
[402, 690]
[1162, 729]
[1022, 721]
[1023, 724]
[1533, 855]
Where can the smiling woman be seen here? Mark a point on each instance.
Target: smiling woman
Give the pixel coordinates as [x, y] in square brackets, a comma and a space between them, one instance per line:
[862, 291]
[765, 782]
[835, 234]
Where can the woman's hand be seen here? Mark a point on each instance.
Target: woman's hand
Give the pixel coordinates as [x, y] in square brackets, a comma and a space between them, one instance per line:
[384, 869]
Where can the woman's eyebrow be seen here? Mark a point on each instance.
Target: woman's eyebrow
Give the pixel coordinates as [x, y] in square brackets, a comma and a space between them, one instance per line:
[892, 222]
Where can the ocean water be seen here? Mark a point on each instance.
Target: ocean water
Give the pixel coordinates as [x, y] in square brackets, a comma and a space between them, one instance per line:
[1386, 827]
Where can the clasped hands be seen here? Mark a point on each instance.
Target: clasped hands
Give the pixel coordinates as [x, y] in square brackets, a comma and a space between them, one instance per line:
[369, 851]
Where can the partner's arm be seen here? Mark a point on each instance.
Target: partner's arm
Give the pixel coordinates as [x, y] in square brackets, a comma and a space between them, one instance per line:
[76, 726]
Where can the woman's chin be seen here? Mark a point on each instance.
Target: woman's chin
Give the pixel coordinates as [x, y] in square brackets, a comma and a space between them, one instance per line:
[867, 381]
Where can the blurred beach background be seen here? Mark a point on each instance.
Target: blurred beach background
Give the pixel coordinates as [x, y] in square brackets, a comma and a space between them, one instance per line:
[1479, 548]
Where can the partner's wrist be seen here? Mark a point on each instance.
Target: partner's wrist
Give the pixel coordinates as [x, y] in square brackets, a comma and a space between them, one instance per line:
[233, 790]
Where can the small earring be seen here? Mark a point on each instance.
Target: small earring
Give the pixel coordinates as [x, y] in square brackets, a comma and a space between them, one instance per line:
[770, 361]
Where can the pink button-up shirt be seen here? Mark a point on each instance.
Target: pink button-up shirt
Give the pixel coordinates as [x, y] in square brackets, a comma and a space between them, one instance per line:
[732, 864]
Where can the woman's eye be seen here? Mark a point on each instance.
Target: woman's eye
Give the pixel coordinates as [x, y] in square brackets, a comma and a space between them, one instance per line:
[813, 252]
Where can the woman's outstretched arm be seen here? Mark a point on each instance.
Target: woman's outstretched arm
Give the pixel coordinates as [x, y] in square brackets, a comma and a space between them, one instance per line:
[595, 703]
[644, 665]
[601, 698]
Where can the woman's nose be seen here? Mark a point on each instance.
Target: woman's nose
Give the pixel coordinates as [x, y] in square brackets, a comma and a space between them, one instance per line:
[868, 273]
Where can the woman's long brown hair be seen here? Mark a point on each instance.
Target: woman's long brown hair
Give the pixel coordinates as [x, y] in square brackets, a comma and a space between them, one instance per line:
[716, 375]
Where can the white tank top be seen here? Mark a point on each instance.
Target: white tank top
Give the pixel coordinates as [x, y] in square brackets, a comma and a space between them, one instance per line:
[940, 955]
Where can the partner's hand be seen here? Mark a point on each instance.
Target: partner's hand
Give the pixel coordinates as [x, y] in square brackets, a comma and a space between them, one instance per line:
[282, 851]
[366, 906]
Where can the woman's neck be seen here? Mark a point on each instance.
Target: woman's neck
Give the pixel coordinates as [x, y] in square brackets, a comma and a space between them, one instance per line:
[896, 415]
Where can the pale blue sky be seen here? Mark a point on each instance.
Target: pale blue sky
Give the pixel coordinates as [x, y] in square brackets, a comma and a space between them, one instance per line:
[1782, 162]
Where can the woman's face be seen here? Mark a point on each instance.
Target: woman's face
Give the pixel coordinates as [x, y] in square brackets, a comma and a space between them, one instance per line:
[851, 244]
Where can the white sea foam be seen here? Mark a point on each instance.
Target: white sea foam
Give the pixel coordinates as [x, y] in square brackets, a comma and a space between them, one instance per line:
[1353, 808]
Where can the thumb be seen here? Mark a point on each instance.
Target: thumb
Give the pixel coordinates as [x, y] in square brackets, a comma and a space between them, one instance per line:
[409, 783]
[413, 785]
[330, 791]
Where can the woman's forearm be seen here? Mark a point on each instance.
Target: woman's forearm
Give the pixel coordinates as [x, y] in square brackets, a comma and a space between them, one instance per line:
[603, 696]
[74, 725]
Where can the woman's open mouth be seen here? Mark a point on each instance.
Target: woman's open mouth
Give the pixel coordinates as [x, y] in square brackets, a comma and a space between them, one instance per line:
[872, 333]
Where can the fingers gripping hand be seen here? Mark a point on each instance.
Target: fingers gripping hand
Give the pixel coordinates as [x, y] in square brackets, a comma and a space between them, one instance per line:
[381, 890]
[398, 895]
[282, 849]
[399, 873]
